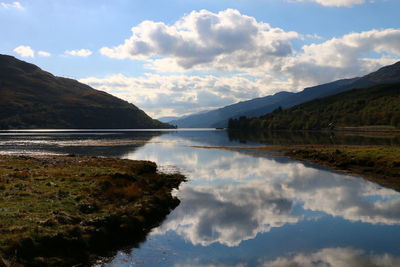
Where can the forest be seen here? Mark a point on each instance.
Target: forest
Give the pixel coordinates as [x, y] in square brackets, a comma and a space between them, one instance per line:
[374, 106]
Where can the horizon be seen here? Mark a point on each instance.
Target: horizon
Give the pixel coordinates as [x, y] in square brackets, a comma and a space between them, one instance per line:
[201, 56]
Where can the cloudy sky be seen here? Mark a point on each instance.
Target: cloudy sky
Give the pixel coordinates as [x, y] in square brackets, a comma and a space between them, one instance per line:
[182, 56]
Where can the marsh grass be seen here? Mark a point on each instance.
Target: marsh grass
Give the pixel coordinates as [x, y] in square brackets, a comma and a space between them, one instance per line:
[68, 198]
[380, 164]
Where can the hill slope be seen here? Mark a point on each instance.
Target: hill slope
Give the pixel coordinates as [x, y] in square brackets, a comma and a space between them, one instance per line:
[33, 98]
[219, 117]
[373, 106]
[260, 106]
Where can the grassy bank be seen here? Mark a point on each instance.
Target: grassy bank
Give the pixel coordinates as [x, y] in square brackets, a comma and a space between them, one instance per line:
[380, 164]
[63, 211]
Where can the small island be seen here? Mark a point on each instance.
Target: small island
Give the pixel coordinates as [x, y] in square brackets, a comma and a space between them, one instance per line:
[69, 210]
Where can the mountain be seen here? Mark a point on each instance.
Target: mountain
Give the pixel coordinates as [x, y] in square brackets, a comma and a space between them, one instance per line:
[33, 98]
[378, 105]
[167, 119]
[219, 117]
[260, 106]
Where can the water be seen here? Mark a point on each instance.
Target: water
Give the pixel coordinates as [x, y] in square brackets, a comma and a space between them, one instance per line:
[240, 209]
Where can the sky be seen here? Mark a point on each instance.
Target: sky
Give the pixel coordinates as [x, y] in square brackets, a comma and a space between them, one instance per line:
[177, 57]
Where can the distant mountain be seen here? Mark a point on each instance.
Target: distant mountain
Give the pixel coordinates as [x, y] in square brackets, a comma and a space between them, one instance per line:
[168, 119]
[33, 98]
[261, 106]
[219, 117]
[378, 105]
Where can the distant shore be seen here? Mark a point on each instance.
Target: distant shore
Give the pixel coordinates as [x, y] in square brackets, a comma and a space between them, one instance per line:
[379, 164]
[67, 210]
[368, 129]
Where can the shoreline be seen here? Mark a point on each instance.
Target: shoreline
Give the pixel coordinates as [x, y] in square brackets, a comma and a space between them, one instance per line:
[71, 211]
[378, 164]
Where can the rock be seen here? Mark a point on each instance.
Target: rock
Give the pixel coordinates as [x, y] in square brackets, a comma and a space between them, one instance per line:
[87, 208]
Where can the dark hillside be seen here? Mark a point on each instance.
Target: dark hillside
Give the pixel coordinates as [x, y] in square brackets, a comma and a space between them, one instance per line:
[33, 98]
[375, 106]
[263, 105]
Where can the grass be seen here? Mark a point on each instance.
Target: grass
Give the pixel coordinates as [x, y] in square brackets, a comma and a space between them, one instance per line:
[62, 211]
[380, 164]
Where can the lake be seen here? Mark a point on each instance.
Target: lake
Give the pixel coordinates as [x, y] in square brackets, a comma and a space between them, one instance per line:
[241, 209]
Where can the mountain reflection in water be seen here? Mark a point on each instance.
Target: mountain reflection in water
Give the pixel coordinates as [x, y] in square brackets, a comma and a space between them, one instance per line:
[246, 210]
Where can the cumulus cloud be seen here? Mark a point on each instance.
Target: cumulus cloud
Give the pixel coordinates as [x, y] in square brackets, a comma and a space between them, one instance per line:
[336, 3]
[78, 53]
[27, 51]
[24, 51]
[15, 4]
[226, 39]
[346, 56]
[340, 52]
[44, 53]
[336, 257]
[262, 57]
[162, 95]
[231, 41]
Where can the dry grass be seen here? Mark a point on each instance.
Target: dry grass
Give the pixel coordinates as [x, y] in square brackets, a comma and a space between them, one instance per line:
[44, 197]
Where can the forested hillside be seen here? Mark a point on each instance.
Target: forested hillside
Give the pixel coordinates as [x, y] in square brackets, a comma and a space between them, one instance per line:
[374, 106]
[263, 105]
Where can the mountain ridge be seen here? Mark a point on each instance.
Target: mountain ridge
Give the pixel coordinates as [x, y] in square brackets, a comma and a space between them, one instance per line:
[376, 107]
[263, 105]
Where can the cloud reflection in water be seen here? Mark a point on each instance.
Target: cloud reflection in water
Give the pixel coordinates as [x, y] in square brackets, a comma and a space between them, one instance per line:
[336, 257]
[232, 197]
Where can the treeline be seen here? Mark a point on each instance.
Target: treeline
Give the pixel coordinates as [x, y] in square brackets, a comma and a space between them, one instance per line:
[377, 105]
[287, 138]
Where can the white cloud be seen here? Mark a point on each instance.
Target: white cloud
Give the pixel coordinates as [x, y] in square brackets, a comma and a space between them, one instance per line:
[11, 5]
[337, 3]
[24, 51]
[341, 52]
[229, 41]
[261, 56]
[224, 40]
[336, 257]
[343, 57]
[27, 51]
[44, 53]
[79, 53]
[162, 95]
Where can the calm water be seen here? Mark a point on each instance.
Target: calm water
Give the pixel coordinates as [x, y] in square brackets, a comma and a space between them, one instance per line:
[240, 209]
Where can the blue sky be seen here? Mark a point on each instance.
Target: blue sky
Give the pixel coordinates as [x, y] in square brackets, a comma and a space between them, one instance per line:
[185, 56]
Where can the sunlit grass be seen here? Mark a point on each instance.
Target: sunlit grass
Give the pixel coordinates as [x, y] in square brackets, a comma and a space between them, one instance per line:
[48, 196]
